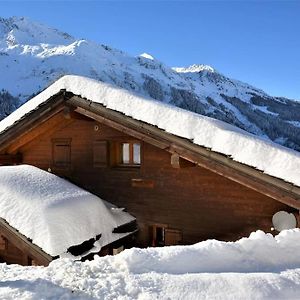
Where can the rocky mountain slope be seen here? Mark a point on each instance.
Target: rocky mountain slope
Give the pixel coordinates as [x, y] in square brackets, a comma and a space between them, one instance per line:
[32, 56]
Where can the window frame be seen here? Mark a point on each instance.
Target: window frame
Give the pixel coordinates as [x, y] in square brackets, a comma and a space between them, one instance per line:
[119, 154]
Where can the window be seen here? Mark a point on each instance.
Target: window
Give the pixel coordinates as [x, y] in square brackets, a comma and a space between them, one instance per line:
[130, 153]
[164, 236]
[61, 153]
[125, 153]
[158, 235]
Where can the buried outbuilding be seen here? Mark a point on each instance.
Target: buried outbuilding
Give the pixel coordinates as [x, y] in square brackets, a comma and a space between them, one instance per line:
[44, 216]
[184, 176]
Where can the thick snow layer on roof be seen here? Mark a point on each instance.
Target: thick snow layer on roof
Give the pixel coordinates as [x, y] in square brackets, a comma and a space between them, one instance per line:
[54, 213]
[258, 267]
[241, 146]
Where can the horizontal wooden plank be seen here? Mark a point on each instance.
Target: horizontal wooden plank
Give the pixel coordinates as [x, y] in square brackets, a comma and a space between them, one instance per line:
[142, 183]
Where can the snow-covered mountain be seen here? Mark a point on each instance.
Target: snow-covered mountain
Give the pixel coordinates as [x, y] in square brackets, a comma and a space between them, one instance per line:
[32, 56]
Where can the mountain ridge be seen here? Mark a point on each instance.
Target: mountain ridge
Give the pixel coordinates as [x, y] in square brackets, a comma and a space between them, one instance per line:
[32, 56]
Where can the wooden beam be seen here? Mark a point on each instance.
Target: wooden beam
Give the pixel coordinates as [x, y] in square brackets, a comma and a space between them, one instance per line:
[178, 162]
[67, 112]
[175, 160]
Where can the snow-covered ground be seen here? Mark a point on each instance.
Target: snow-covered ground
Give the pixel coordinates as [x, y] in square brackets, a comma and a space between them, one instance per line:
[258, 267]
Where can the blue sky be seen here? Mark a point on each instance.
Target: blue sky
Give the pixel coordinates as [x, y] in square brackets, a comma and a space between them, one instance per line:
[254, 41]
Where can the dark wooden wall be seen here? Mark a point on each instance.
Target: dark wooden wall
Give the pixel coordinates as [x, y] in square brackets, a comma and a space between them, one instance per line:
[194, 200]
[15, 251]
[9, 253]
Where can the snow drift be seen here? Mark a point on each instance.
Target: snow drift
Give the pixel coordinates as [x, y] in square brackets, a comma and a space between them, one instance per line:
[260, 252]
[258, 267]
[54, 213]
[241, 146]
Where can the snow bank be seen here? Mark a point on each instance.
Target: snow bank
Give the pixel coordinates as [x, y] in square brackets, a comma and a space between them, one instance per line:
[54, 213]
[259, 253]
[241, 146]
[258, 267]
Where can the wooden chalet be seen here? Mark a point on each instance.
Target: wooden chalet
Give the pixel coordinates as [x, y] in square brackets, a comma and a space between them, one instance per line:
[179, 192]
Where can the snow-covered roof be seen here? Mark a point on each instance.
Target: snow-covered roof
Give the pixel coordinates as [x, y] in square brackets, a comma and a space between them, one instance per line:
[221, 137]
[54, 213]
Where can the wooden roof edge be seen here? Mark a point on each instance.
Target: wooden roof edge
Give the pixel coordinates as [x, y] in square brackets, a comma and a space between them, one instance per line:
[287, 192]
[29, 121]
[34, 248]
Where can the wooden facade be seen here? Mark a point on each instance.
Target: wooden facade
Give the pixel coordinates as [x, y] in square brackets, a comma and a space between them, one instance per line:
[180, 193]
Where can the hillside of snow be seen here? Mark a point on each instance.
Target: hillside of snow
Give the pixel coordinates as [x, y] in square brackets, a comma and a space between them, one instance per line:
[258, 267]
[32, 56]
